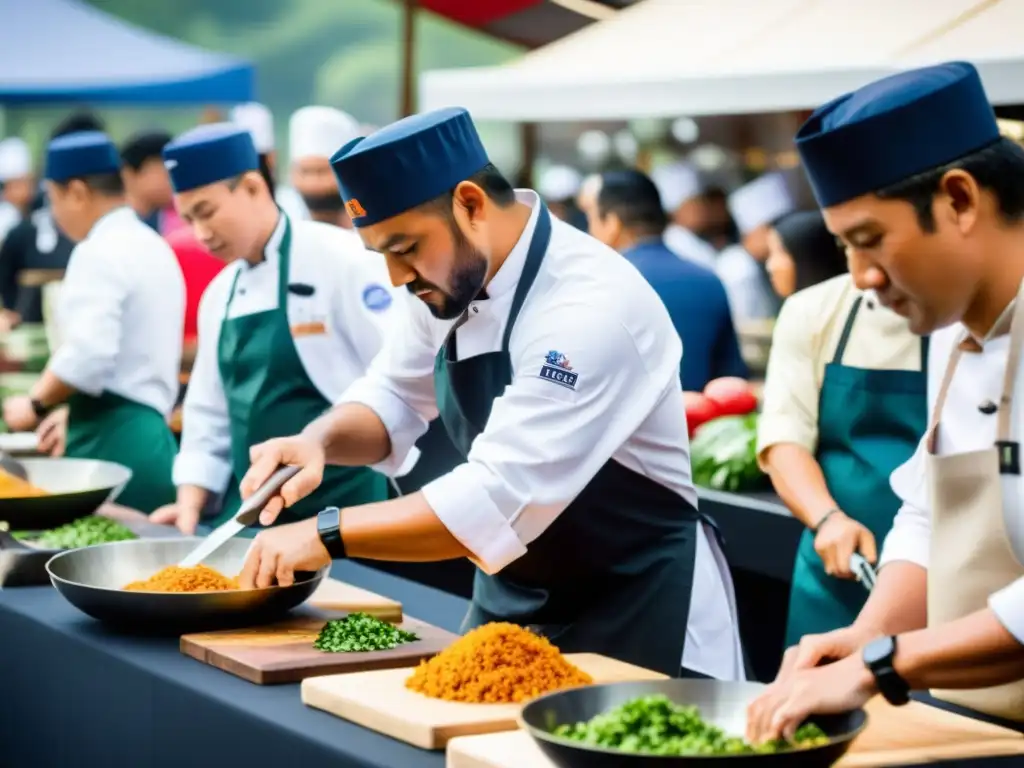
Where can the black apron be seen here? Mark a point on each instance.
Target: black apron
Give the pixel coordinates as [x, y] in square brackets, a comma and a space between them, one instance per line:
[612, 574]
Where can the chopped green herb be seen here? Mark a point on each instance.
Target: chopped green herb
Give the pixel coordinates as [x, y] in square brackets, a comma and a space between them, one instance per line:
[360, 632]
[655, 725]
[83, 532]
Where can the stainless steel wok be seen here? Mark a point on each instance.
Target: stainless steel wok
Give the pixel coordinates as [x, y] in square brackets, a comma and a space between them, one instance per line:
[721, 703]
[92, 579]
[77, 487]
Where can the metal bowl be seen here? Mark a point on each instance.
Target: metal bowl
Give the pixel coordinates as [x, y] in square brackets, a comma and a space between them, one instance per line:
[93, 578]
[77, 488]
[721, 703]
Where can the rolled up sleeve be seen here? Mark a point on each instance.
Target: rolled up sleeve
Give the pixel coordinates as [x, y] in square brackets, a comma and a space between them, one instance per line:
[92, 305]
[789, 412]
[544, 440]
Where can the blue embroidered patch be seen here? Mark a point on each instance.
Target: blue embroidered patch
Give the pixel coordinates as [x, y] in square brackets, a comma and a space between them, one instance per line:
[377, 298]
[557, 370]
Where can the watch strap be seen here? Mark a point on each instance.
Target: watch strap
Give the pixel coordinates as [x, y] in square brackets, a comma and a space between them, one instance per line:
[41, 411]
[879, 656]
[328, 526]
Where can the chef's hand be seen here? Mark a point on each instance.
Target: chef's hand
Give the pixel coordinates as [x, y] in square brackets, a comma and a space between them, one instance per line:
[813, 650]
[266, 458]
[19, 415]
[278, 553]
[836, 541]
[53, 432]
[184, 518]
[831, 689]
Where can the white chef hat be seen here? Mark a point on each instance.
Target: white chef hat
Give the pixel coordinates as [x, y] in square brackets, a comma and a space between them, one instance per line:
[259, 122]
[761, 201]
[15, 159]
[559, 182]
[320, 132]
[677, 183]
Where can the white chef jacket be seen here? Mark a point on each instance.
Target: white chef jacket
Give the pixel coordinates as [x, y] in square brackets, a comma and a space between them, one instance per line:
[544, 442]
[121, 312]
[750, 294]
[350, 299]
[686, 245]
[978, 378]
[291, 202]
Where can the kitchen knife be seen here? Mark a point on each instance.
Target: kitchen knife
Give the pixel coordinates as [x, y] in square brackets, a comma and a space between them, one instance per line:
[863, 571]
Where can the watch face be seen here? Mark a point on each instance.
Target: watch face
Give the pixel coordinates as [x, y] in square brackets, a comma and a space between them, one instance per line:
[878, 650]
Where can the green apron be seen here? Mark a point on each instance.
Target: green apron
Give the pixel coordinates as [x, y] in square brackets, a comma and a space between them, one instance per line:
[270, 395]
[113, 428]
[869, 423]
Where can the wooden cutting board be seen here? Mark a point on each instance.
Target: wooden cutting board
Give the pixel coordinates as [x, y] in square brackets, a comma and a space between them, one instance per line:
[380, 701]
[914, 734]
[284, 652]
[334, 595]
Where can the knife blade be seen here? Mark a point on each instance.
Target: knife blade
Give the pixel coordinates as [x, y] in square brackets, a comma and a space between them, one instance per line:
[863, 571]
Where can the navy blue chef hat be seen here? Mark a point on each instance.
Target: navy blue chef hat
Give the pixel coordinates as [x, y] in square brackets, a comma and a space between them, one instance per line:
[407, 163]
[208, 154]
[76, 155]
[894, 128]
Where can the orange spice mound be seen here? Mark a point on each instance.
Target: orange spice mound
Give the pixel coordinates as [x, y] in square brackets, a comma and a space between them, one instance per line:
[201, 578]
[496, 663]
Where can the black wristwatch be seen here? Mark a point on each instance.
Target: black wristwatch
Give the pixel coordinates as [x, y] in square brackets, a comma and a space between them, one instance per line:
[878, 657]
[40, 410]
[328, 525]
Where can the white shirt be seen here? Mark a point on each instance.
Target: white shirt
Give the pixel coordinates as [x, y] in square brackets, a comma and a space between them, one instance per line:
[121, 312]
[349, 308]
[543, 441]
[686, 245]
[750, 294]
[291, 203]
[978, 377]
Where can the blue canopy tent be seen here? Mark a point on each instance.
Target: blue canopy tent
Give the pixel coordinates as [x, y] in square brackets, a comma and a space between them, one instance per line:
[54, 51]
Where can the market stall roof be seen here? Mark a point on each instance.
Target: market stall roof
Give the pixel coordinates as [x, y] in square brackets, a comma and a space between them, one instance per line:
[664, 58]
[65, 50]
[531, 23]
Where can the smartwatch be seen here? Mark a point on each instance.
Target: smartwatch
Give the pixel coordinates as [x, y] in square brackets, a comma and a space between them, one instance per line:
[328, 525]
[40, 410]
[878, 658]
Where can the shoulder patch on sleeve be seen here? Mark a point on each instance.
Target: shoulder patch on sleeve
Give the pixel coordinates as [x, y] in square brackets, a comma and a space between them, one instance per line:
[376, 297]
[557, 370]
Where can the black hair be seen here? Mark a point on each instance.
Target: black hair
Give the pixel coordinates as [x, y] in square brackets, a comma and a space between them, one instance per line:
[143, 146]
[268, 174]
[106, 184]
[998, 167]
[77, 122]
[816, 254]
[489, 179]
[633, 197]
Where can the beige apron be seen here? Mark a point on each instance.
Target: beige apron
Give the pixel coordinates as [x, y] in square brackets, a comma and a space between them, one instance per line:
[971, 556]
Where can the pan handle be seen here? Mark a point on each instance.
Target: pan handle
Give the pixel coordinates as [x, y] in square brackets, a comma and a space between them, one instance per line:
[250, 510]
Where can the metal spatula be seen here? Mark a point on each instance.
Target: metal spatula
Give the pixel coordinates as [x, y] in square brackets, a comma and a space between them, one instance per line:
[247, 514]
[12, 466]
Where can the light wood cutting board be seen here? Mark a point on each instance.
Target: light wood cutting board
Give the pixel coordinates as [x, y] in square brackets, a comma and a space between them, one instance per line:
[380, 701]
[334, 595]
[914, 734]
[283, 652]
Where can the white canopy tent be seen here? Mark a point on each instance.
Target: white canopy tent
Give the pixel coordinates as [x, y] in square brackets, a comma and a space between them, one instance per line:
[665, 58]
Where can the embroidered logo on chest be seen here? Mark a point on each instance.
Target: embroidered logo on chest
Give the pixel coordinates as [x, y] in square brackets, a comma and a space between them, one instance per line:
[557, 370]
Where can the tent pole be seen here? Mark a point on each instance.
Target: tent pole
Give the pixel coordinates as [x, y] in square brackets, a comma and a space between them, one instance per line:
[408, 105]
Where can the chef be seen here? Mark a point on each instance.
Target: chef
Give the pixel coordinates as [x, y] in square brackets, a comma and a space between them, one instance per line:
[259, 122]
[121, 310]
[558, 187]
[682, 187]
[314, 134]
[932, 222]
[753, 207]
[17, 184]
[296, 316]
[843, 406]
[555, 369]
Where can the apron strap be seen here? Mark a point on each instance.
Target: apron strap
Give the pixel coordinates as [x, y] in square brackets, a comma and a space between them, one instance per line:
[534, 258]
[837, 358]
[1012, 364]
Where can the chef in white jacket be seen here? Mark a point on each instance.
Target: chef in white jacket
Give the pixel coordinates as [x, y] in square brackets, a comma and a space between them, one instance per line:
[121, 311]
[933, 223]
[294, 319]
[754, 207]
[17, 184]
[258, 120]
[554, 368]
[314, 134]
[680, 186]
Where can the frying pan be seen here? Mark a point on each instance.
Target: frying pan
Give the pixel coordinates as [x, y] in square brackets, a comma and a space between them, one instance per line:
[78, 487]
[92, 580]
[721, 703]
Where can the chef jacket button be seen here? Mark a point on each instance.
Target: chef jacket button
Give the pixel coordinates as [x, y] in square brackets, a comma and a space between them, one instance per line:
[988, 407]
[871, 304]
[475, 308]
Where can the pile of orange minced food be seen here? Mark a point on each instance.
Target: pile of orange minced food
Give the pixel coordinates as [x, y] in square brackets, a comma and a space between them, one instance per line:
[497, 663]
[173, 578]
[12, 487]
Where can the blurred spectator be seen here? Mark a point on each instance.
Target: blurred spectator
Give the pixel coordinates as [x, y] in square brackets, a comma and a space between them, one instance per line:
[802, 252]
[17, 183]
[314, 134]
[259, 121]
[146, 182]
[558, 186]
[682, 187]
